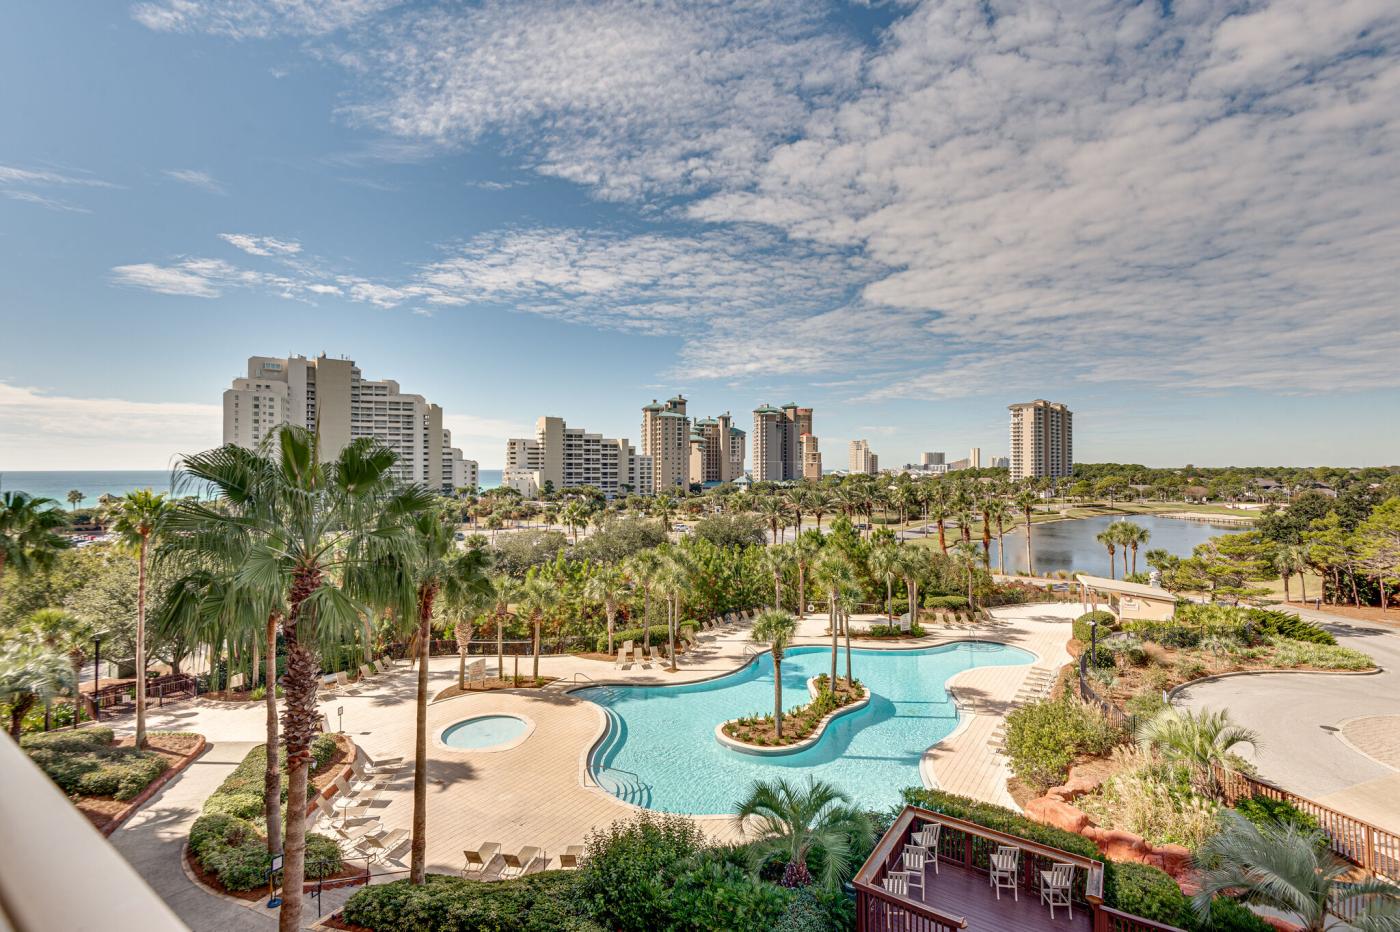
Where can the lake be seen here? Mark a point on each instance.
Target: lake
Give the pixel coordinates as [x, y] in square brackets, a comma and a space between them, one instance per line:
[1070, 545]
[94, 483]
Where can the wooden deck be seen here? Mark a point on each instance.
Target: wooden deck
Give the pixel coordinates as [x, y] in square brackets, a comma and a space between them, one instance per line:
[957, 891]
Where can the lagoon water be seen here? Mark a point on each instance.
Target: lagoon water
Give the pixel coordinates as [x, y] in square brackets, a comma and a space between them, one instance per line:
[1070, 545]
[94, 483]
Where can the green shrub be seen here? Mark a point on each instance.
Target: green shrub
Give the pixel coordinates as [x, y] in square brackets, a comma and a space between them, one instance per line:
[1148, 892]
[123, 779]
[83, 763]
[1322, 656]
[992, 816]
[1044, 738]
[1265, 811]
[70, 742]
[722, 896]
[892, 631]
[544, 902]
[624, 882]
[1267, 623]
[1107, 621]
[954, 602]
[659, 634]
[1146, 704]
[1227, 915]
[239, 864]
[323, 748]
[221, 826]
[1101, 657]
[323, 856]
[239, 805]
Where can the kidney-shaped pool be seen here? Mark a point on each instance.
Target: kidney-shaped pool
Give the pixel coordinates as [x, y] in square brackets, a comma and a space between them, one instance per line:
[660, 749]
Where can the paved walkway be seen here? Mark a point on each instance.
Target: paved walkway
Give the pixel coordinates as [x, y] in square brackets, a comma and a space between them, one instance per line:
[1301, 720]
[538, 792]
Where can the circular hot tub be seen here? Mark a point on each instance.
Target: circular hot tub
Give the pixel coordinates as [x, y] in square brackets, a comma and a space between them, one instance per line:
[498, 732]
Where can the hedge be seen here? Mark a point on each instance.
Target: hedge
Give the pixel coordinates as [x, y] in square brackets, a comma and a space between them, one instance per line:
[1106, 622]
[1044, 738]
[229, 839]
[1146, 891]
[659, 634]
[944, 601]
[84, 763]
[989, 815]
[543, 902]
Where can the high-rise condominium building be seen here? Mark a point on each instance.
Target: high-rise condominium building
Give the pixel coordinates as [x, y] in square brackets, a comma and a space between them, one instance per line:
[1001, 462]
[863, 461]
[974, 458]
[932, 459]
[562, 457]
[332, 397]
[777, 441]
[1042, 439]
[811, 458]
[457, 471]
[666, 439]
[712, 456]
[737, 439]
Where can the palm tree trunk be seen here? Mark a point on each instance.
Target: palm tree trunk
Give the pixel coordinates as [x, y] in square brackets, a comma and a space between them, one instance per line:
[538, 621]
[847, 626]
[140, 647]
[942, 537]
[778, 691]
[299, 719]
[418, 859]
[1287, 596]
[675, 621]
[272, 775]
[501, 648]
[612, 621]
[801, 591]
[831, 621]
[1303, 583]
[777, 592]
[1030, 570]
[646, 619]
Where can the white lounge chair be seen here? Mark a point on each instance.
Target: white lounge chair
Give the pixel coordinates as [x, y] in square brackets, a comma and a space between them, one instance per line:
[342, 681]
[520, 863]
[378, 846]
[1055, 887]
[328, 683]
[381, 666]
[479, 859]
[366, 672]
[569, 860]
[624, 655]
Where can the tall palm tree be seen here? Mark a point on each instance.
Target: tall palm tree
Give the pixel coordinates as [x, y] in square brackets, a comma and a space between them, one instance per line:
[298, 527]
[797, 499]
[775, 511]
[775, 562]
[606, 587]
[776, 629]
[819, 504]
[29, 538]
[31, 672]
[996, 510]
[504, 591]
[540, 597]
[1135, 535]
[911, 566]
[804, 552]
[967, 558]
[136, 517]
[883, 562]
[673, 579]
[1108, 537]
[1288, 868]
[1289, 561]
[1203, 741]
[642, 568]
[793, 821]
[966, 514]
[68, 634]
[75, 498]
[835, 574]
[1026, 502]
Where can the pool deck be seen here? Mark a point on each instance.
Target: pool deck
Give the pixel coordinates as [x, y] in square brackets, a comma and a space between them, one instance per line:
[538, 793]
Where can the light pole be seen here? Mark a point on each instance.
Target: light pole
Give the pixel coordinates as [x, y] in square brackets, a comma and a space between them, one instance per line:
[96, 675]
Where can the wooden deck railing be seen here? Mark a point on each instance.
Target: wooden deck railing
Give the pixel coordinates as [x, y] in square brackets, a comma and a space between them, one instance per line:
[1359, 842]
[971, 846]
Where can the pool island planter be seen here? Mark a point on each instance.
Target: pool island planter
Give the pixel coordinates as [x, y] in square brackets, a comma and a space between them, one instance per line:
[778, 750]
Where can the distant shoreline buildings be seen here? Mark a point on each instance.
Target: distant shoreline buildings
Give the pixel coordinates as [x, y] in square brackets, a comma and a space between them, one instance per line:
[333, 397]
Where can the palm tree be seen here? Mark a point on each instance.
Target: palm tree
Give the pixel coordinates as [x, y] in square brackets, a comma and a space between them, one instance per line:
[1026, 502]
[31, 672]
[28, 533]
[606, 587]
[296, 528]
[664, 507]
[793, 821]
[1109, 538]
[1202, 741]
[136, 516]
[75, 498]
[1288, 868]
[504, 591]
[966, 557]
[1289, 562]
[911, 566]
[797, 502]
[1135, 536]
[66, 634]
[819, 504]
[884, 564]
[774, 511]
[775, 562]
[939, 510]
[539, 596]
[804, 551]
[776, 629]
[642, 568]
[835, 574]
[673, 579]
[997, 510]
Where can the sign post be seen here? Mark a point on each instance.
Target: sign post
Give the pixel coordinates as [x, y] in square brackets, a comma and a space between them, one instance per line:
[273, 901]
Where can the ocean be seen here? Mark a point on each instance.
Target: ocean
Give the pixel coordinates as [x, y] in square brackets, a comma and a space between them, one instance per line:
[97, 482]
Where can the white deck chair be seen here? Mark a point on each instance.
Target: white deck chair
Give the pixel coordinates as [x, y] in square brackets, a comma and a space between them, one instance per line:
[624, 656]
[381, 666]
[1055, 887]
[913, 861]
[1003, 870]
[342, 681]
[378, 846]
[366, 672]
[479, 859]
[927, 838]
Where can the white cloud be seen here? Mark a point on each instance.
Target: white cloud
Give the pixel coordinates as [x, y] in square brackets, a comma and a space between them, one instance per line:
[165, 280]
[261, 245]
[27, 184]
[56, 431]
[196, 179]
[256, 19]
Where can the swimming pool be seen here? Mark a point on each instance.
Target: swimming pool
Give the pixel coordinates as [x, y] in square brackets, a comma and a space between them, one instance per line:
[486, 733]
[660, 749]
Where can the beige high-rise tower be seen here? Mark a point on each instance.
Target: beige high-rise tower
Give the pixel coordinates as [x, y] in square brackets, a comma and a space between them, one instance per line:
[711, 454]
[863, 461]
[811, 458]
[777, 441]
[332, 397]
[1042, 440]
[666, 439]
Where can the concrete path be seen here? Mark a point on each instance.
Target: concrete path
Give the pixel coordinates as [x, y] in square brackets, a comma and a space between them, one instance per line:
[1300, 719]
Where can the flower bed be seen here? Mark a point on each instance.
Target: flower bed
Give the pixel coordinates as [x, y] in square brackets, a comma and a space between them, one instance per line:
[801, 724]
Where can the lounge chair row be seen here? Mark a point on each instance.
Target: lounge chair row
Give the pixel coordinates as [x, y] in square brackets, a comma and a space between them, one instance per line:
[353, 803]
[528, 858]
[333, 681]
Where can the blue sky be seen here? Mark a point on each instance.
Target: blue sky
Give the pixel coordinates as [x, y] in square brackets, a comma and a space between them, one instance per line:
[1182, 220]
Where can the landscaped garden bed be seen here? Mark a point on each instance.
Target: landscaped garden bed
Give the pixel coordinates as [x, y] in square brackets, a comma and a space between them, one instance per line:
[800, 722]
[228, 842]
[104, 776]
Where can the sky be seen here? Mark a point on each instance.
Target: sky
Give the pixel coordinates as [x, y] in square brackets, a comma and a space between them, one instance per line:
[1181, 218]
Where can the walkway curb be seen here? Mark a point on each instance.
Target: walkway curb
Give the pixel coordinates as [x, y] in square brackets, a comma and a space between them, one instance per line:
[155, 787]
[1176, 690]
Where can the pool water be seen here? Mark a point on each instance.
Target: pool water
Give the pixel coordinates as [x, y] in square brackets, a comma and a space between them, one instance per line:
[660, 751]
[484, 731]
